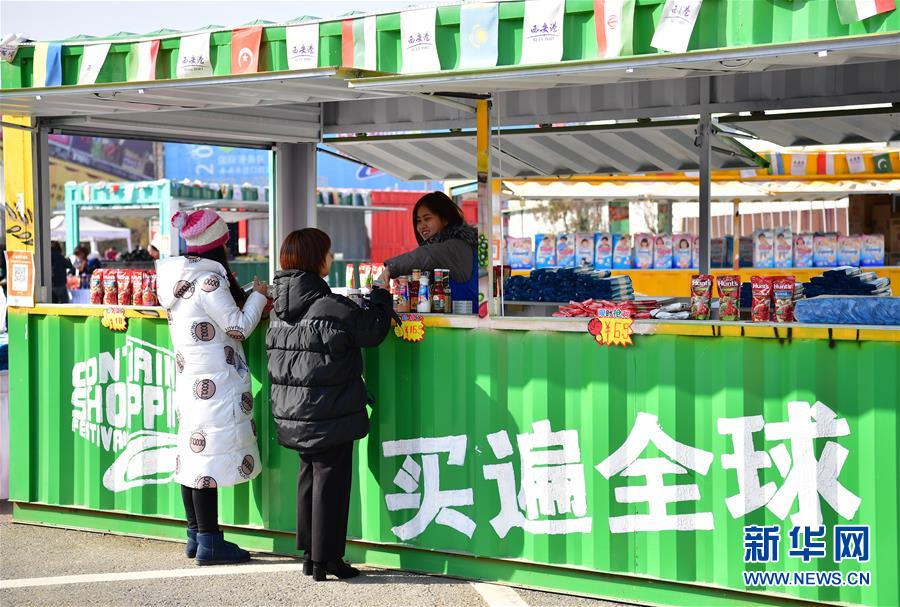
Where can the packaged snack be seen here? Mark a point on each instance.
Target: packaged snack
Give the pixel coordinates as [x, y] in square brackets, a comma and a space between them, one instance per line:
[662, 252]
[584, 250]
[872, 253]
[110, 288]
[565, 251]
[763, 249]
[683, 253]
[124, 295]
[803, 250]
[848, 250]
[545, 247]
[695, 251]
[401, 294]
[701, 296]
[519, 253]
[137, 288]
[825, 251]
[623, 255]
[784, 248]
[603, 251]
[350, 276]
[96, 286]
[729, 297]
[783, 294]
[643, 251]
[761, 310]
[365, 276]
[377, 270]
[149, 294]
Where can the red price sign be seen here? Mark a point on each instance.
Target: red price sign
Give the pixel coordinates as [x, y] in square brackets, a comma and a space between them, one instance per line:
[412, 328]
[612, 327]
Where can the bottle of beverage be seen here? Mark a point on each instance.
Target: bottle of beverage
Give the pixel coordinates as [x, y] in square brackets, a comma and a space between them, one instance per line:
[424, 303]
[414, 289]
[447, 294]
[438, 299]
[401, 295]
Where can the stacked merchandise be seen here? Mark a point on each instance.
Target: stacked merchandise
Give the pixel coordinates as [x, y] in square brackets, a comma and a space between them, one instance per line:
[591, 308]
[111, 287]
[568, 285]
[848, 280]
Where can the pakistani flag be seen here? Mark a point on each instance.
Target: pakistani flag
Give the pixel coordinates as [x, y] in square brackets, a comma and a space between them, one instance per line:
[478, 22]
[851, 11]
[883, 163]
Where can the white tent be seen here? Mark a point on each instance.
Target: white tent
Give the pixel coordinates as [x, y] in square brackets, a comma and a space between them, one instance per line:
[90, 230]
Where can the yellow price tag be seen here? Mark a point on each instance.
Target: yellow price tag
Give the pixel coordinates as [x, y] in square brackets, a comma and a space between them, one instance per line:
[612, 328]
[412, 329]
[114, 319]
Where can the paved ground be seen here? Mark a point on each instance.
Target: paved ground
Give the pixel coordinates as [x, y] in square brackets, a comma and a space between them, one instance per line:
[129, 571]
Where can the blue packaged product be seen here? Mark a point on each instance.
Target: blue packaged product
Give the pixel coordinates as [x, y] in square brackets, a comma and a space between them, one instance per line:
[763, 249]
[603, 250]
[623, 255]
[662, 252]
[683, 253]
[784, 248]
[848, 250]
[519, 253]
[545, 251]
[825, 251]
[803, 250]
[584, 250]
[565, 251]
[643, 251]
[872, 253]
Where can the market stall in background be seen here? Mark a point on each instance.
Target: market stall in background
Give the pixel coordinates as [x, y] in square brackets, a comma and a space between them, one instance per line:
[677, 466]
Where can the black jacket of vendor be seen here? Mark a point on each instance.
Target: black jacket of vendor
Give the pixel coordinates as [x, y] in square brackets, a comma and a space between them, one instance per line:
[315, 364]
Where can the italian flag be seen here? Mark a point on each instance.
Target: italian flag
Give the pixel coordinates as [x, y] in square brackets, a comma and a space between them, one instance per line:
[358, 43]
[141, 65]
[851, 11]
[613, 22]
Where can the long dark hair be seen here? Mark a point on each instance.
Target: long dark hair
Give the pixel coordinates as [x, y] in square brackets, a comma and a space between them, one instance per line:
[221, 255]
[441, 205]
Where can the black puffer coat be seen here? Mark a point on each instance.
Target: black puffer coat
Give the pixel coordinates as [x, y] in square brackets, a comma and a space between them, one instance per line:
[315, 364]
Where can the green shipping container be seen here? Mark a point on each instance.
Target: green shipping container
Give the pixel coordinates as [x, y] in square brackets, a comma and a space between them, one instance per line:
[467, 419]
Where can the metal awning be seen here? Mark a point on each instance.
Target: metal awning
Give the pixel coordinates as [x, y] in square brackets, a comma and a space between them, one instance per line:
[821, 128]
[643, 146]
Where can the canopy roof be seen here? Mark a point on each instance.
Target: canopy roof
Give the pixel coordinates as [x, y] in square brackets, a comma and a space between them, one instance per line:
[89, 229]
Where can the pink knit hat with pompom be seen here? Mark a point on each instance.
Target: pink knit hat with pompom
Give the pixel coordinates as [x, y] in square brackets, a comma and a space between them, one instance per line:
[203, 230]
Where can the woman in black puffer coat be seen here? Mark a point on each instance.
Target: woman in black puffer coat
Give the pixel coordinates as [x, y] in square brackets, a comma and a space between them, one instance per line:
[319, 397]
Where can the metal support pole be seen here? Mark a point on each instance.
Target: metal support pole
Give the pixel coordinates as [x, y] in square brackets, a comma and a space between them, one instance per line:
[485, 194]
[41, 174]
[293, 203]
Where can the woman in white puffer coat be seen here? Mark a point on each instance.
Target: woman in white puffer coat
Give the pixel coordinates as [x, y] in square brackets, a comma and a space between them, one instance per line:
[209, 317]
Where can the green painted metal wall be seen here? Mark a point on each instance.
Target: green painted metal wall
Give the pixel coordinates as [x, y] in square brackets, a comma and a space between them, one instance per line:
[474, 383]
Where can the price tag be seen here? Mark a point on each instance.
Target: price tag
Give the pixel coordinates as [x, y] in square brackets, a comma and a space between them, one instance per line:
[412, 328]
[612, 327]
[114, 319]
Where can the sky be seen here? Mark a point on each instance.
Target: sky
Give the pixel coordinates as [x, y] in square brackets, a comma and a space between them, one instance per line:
[99, 18]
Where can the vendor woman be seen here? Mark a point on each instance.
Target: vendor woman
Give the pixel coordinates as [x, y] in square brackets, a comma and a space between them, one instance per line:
[446, 242]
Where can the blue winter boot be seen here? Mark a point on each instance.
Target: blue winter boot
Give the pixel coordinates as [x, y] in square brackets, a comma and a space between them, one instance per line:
[190, 549]
[214, 550]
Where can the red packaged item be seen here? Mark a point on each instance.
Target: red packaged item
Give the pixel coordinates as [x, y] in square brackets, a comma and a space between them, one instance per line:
[137, 288]
[701, 296]
[783, 294]
[149, 294]
[96, 286]
[729, 297]
[110, 288]
[762, 298]
[123, 278]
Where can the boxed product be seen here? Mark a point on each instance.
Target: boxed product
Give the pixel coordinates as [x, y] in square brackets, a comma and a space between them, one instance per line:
[763, 249]
[872, 253]
[745, 251]
[783, 296]
[643, 251]
[519, 253]
[718, 256]
[729, 297]
[824, 251]
[603, 251]
[584, 250]
[545, 251]
[848, 250]
[662, 252]
[623, 255]
[565, 250]
[695, 251]
[803, 250]
[761, 289]
[682, 255]
[784, 248]
[701, 296]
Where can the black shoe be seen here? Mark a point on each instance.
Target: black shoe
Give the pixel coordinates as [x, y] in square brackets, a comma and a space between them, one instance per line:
[339, 569]
[307, 566]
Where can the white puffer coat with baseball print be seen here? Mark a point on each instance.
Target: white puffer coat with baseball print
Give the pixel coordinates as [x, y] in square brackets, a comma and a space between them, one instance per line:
[216, 434]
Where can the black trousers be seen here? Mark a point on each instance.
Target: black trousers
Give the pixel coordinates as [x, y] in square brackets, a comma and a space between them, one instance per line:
[202, 508]
[323, 502]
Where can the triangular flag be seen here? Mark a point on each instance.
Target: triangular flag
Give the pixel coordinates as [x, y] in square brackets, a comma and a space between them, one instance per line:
[478, 27]
[883, 163]
[245, 50]
[856, 163]
[92, 58]
[851, 11]
[358, 44]
[776, 164]
[302, 46]
[39, 69]
[193, 56]
[825, 163]
[418, 46]
[614, 24]
[141, 63]
[542, 31]
[798, 164]
[673, 32]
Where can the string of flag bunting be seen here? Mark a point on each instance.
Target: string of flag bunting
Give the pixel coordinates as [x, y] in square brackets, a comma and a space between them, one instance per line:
[542, 40]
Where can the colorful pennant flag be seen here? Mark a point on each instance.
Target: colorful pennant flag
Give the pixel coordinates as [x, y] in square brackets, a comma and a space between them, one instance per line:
[856, 162]
[193, 57]
[92, 58]
[39, 69]
[303, 46]
[245, 50]
[851, 11]
[798, 164]
[614, 23]
[542, 31]
[825, 163]
[776, 164]
[883, 163]
[673, 32]
[141, 62]
[417, 41]
[358, 44]
[478, 35]
[47, 70]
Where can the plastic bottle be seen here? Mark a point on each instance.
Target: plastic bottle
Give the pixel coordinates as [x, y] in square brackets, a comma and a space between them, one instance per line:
[438, 297]
[424, 304]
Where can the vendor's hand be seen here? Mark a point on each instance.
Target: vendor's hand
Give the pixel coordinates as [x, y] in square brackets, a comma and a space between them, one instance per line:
[260, 287]
[396, 317]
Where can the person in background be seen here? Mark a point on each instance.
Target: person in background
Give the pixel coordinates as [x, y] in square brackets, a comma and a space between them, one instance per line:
[318, 394]
[79, 259]
[209, 318]
[445, 242]
[60, 266]
[154, 248]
